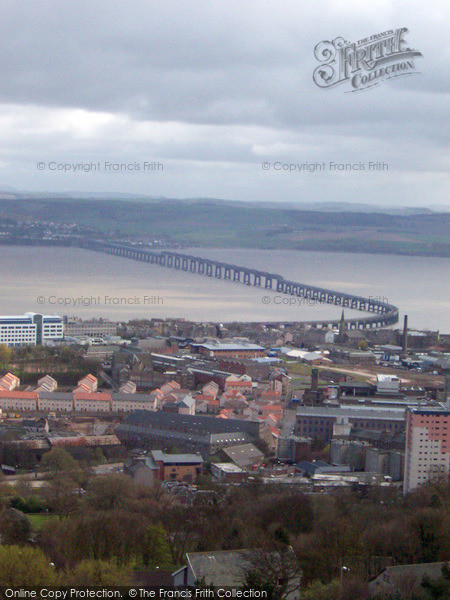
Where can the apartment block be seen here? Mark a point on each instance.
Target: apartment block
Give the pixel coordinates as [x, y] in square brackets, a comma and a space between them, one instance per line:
[427, 446]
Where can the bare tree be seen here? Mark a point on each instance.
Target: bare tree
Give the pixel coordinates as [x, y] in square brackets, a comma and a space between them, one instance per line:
[276, 571]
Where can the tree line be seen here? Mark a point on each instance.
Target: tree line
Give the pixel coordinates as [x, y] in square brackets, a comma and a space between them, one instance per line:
[104, 528]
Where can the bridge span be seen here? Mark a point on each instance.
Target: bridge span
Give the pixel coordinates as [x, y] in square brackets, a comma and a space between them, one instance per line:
[384, 314]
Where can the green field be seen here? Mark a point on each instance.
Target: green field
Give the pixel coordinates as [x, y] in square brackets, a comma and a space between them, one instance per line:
[38, 519]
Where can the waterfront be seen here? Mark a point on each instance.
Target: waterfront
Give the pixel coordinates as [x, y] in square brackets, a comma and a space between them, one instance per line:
[101, 283]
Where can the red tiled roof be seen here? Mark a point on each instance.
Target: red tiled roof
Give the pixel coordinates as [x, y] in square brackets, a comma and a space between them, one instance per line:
[206, 397]
[23, 395]
[102, 396]
[225, 413]
[272, 407]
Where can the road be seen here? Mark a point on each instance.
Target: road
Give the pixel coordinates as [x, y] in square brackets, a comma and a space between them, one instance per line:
[289, 421]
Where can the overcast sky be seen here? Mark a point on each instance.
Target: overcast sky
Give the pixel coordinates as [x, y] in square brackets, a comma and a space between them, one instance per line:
[213, 89]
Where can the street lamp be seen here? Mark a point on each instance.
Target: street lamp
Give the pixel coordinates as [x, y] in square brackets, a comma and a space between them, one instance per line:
[343, 568]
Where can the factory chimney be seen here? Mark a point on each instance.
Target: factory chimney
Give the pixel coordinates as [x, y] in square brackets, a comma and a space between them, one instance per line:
[314, 379]
[405, 335]
[447, 392]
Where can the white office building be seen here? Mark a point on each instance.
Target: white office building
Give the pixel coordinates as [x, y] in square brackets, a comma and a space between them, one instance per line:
[30, 329]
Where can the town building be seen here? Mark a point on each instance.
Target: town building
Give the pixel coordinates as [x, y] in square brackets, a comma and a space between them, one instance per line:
[158, 466]
[405, 581]
[46, 384]
[30, 329]
[240, 383]
[87, 384]
[427, 446]
[228, 568]
[293, 449]
[55, 401]
[198, 433]
[92, 401]
[229, 350]
[246, 366]
[9, 382]
[122, 402]
[75, 327]
[245, 456]
[317, 421]
[18, 400]
[388, 384]
[128, 388]
[226, 472]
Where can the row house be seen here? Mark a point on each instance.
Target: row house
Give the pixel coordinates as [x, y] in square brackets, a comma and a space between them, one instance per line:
[128, 402]
[9, 382]
[46, 384]
[13, 400]
[55, 401]
[87, 384]
[92, 402]
[241, 384]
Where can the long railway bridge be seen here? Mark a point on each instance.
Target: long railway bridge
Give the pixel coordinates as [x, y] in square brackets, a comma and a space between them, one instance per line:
[383, 314]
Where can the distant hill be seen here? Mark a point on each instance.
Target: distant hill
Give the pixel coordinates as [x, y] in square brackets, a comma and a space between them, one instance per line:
[226, 224]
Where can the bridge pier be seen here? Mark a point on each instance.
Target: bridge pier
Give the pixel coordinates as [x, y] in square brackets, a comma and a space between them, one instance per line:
[385, 314]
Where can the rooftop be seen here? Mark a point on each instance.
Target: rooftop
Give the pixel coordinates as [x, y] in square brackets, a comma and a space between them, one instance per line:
[179, 459]
[359, 412]
[228, 467]
[231, 346]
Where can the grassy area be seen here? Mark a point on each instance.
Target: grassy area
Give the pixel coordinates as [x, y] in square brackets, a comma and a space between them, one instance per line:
[38, 519]
[299, 369]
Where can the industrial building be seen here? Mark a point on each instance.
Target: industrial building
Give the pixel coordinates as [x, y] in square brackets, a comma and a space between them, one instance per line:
[317, 421]
[190, 433]
[230, 350]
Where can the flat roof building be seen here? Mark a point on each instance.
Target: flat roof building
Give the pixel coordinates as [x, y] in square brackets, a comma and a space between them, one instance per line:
[30, 329]
[229, 350]
[317, 421]
[93, 327]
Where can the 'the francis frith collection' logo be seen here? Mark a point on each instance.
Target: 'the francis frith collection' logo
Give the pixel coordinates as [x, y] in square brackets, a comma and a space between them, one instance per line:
[365, 63]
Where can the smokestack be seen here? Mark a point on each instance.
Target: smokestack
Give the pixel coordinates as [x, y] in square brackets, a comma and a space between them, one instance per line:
[314, 379]
[405, 335]
[447, 392]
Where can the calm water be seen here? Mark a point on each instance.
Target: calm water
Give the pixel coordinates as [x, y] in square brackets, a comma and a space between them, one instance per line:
[93, 284]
